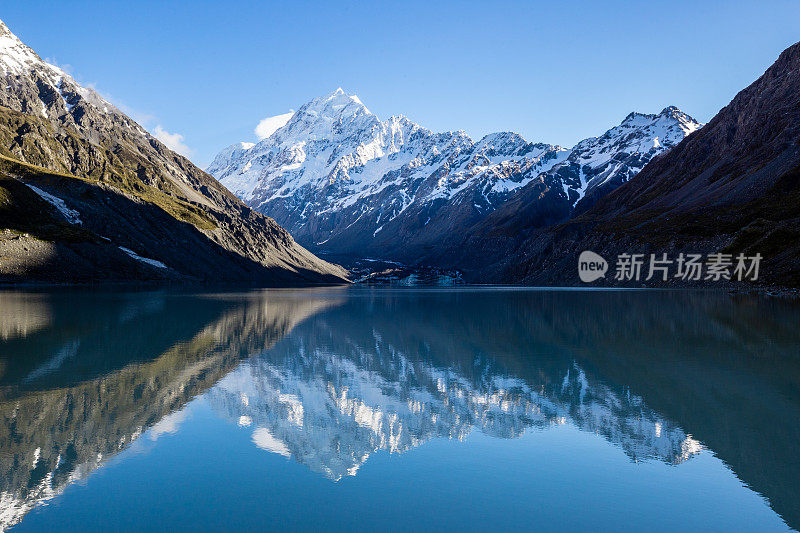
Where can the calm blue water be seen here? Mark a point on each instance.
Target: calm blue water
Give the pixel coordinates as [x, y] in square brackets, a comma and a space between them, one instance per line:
[389, 409]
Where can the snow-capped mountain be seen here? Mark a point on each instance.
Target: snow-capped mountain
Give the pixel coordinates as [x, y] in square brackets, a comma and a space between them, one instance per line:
[337, 173]
[34, 86]
[598, 165]
[342, 180]
[730, 186]
[227, 156]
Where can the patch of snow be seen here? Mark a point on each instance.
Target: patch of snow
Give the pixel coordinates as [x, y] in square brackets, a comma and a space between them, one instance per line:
[134, 255]
[72, 216]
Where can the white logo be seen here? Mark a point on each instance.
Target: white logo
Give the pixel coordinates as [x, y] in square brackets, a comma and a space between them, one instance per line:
[591, 266]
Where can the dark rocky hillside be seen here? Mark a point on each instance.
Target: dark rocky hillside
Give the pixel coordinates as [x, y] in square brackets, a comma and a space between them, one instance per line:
[731, 187]
[37, 242]
[126, 189]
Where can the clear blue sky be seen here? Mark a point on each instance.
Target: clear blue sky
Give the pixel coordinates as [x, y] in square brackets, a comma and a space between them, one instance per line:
[553, 71]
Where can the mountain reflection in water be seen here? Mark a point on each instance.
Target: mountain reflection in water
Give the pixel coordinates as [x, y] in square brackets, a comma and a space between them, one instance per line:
[330, 377]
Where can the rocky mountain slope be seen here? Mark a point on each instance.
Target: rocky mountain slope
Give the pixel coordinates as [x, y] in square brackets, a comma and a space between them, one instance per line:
[732, 187]
[343, 181]
[133, 193]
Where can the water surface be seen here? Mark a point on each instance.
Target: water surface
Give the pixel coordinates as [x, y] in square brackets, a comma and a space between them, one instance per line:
[399, 409]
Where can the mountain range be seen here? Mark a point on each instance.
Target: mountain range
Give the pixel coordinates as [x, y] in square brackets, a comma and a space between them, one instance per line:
[504, 210]
[733, 187]
[343, 181]
[87, 194]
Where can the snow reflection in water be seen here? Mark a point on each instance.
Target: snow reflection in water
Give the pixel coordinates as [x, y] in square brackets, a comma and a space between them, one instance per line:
[328, 378]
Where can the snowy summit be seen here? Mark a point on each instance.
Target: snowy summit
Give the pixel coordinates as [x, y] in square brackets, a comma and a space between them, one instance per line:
[338, 177]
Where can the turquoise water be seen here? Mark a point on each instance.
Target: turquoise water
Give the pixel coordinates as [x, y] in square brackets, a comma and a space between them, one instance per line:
[392, 409]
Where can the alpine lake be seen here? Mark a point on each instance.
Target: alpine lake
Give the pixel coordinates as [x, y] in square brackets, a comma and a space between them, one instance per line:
[398, 409]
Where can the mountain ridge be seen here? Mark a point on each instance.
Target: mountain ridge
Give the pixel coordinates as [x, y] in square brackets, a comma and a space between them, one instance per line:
[731, 187]
[344, 182]
[48, 120]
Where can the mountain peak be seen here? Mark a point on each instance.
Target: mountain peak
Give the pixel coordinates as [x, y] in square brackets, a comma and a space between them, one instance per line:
[340, 97]
[675, 113]
[632, 116]
[669, 114]
[321, 117]
[15, 56]
[36, 86]
[333, 106]
[5, 32]
[336, 174]
[790, 56]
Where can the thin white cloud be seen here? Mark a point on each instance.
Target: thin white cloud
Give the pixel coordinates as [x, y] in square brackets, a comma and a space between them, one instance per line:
[173, 141]
[143, 119]
[167, 425]
[269, 125]
[66, 67]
